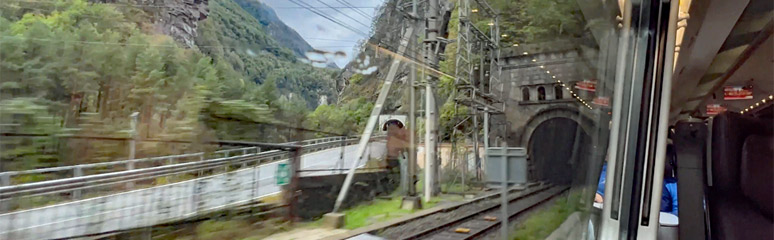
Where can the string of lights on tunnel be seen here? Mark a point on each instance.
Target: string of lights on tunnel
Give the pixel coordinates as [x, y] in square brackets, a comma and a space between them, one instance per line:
[548, 72]
[758, 104]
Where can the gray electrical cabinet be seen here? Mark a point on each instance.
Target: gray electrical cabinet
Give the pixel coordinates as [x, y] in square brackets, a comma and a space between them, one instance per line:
[496, 160]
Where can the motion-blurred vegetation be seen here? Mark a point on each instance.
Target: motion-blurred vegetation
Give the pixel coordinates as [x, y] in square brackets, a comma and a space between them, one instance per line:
[72, 72]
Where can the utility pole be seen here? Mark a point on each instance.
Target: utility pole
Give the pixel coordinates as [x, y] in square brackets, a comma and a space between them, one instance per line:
[411, 191]
[430, 143]
[431, 129]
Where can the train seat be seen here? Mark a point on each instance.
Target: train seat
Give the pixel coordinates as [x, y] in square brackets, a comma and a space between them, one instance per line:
[740, 199]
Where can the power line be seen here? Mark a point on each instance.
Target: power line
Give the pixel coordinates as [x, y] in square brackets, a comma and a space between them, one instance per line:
[346, 15]
[332, 19]
[357, 10]
[334, 46]
[334, 7]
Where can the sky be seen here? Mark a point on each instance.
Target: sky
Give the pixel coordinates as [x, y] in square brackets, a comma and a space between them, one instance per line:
[322, 33]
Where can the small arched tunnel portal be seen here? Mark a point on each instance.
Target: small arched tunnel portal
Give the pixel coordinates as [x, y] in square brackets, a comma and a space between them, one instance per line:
[559, 149]
[392, 123]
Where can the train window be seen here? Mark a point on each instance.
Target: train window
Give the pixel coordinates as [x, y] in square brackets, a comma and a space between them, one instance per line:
[268, 113]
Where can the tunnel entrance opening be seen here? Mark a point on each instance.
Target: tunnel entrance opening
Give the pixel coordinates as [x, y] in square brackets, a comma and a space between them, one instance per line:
[557, 150]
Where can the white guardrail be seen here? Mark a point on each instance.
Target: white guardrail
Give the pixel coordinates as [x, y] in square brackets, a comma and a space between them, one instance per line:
[131, 164]
[128, 209]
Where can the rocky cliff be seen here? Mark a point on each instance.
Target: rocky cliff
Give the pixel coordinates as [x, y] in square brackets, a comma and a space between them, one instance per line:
[176, 18]
[372, 63]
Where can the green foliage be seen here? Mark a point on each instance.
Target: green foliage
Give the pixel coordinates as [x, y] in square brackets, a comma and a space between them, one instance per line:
[73, 67]
[355, 78]
[234, 37]
[87, 67]
[449, 115]
[239, 110]
[284, 35]
[377, 211]
[30, 116]
[533, 21]
[542, 223]
[449, 118]
[346, 119]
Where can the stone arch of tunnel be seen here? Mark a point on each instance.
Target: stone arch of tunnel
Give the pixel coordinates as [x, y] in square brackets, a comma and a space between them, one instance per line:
[395, 122]
[559, 145]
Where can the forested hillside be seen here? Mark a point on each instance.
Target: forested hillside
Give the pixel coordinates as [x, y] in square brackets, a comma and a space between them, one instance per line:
[232, 35]
[73, 72]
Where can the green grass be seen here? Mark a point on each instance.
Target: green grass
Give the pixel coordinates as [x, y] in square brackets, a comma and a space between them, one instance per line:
[378, 210]
[454, 188]
[542, 223]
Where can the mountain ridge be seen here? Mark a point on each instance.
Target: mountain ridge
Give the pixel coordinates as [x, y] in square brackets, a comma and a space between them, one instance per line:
[250, 49]
[281, 32]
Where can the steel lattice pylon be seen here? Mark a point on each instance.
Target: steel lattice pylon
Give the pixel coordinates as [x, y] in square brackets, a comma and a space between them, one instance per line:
[477, 66]
[477, 62]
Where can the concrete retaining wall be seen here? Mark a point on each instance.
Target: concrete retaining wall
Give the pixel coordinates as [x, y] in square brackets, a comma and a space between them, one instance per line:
[318, 193]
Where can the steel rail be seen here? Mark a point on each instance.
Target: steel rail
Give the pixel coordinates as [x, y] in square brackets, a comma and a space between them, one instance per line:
[438, 229]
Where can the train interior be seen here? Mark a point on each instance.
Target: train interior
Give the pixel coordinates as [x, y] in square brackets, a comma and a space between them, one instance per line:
[720, 147]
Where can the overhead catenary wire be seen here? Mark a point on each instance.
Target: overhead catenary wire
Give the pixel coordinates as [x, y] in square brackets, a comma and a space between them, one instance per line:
[338, 7]
[345, 15]
[326, 16]
[357, 10]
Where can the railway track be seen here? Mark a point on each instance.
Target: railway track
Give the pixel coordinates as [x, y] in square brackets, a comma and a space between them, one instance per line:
[477, 224]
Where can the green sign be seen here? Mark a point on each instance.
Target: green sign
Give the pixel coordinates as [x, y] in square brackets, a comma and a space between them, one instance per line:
[283, 173]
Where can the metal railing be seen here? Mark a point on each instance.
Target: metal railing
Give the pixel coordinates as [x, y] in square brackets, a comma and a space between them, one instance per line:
[131, 164]
[249, 157]
[162, 194]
